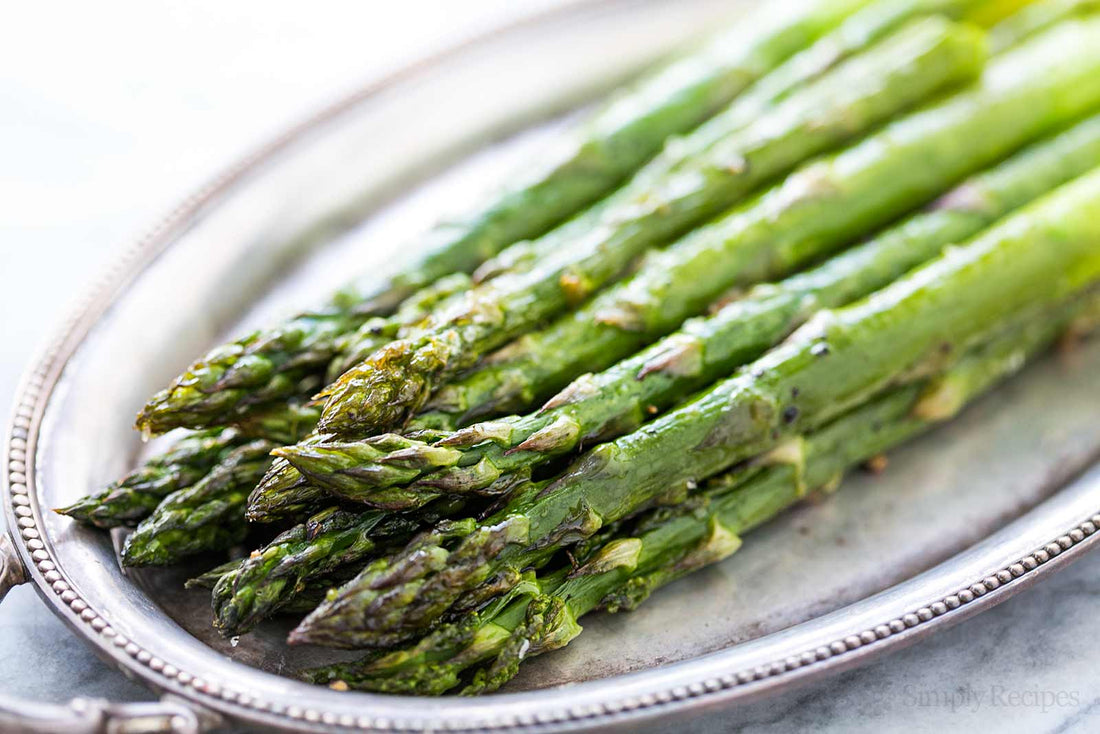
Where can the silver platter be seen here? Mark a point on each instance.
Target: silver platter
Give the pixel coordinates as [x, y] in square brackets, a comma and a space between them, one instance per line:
[963, 518]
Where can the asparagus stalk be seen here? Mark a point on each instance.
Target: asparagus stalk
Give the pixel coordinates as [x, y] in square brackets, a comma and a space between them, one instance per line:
[205, 517]
[279, 494]
[322, 543]
[1036, 258]
[489, 389]
[351, 349]
[862, 29]
[132, 498]
[1034, 18]
[269, 363]
[209, 579]
[283, 494]
[598, 407]
[305, 597]
[237, 383]
[620, 573]
[331, 541]
[920, 60]
[616, 323]
[281, 422]
[209, 515]
[856, 33]
[135, 496]
[623, 136]
[313, 593]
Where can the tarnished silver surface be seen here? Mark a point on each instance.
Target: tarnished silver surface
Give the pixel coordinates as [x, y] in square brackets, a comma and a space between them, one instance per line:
[962, 519]
[171, 715]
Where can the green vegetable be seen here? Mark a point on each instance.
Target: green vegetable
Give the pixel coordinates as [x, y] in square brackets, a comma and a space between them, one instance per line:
[351, 349]
[921, 59]
[1034, 18]
[1040, 256]
[597, 407]
[688, 276]
[284, 492]
[271, 363]
[263, 583]
[623, 136]
[135, 496]
[332, 541]
[621, 571]
[208, 516]
[132, 498]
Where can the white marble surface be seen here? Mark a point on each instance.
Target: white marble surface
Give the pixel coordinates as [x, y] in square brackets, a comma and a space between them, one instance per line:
[109, 111]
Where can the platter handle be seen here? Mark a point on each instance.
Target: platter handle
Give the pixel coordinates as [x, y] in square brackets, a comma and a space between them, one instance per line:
[12, 572]
[170, 715]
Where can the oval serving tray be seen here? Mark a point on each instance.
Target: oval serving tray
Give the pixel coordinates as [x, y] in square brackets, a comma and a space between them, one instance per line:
[963, 518]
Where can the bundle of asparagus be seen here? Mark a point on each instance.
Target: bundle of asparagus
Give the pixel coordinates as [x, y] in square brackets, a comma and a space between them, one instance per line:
[268, 364]
[618, 573]
[471, 461]
[1038, 257]
[723, 298]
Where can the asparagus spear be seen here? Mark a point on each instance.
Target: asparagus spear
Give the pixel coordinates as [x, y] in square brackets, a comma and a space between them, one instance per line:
[282, 494]
[856, 33]
[863, 28]
[209, 579]
[329, 537]
[351, 349]
[667, 543]
[238, 383]
[1034, 18]
[921, 59]
[623, 136]
[281, 422]
[332, 540]
[305, 597]
[1036, 258]
[614, 325]
[279, 494]
[313, 593]
[135, 496]
[268, 364]
[207, 516]
[600, 406]
[487, 390]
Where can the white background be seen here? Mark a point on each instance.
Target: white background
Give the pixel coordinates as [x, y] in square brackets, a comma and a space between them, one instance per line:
[110, 111]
